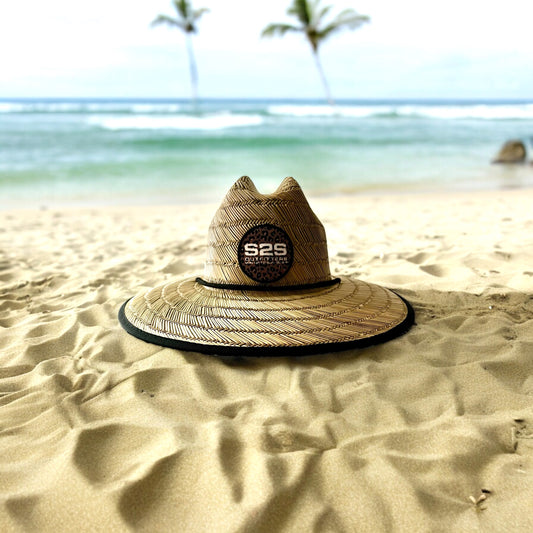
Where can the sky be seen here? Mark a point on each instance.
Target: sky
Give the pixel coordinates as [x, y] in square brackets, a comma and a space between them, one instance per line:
[410, 49]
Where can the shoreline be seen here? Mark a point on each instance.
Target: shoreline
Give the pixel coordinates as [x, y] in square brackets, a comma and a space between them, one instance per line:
[417, 190]
[145, 152]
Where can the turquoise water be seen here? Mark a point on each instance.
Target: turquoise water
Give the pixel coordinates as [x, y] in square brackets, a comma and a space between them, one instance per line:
[81, 152]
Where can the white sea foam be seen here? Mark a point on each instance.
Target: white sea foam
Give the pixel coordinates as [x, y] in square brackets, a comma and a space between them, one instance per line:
[155, 108]
[466, 111]
[322, 110]
[8, 107]
[88, 107]
[178, 122]
[43, 107]
[479, 111]
[130, 107]
[140, 112]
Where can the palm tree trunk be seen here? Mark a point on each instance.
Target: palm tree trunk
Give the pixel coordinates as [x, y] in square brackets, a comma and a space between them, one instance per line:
[192, 69]
[323, 78]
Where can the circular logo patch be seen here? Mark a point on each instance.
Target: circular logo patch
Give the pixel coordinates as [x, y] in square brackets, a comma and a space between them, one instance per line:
[265, 253]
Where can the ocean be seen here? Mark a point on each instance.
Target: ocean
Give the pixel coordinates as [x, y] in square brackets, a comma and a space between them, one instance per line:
[127, 152]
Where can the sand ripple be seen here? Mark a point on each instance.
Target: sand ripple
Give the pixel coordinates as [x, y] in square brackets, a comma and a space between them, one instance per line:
[431, 432]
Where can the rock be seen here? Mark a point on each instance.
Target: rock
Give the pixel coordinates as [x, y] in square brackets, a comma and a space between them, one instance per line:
[513, 151]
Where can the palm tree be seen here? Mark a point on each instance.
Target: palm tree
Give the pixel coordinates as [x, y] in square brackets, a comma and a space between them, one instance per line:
[186, 20]
[311, 18]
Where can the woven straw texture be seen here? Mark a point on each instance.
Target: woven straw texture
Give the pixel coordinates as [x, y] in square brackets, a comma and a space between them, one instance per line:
[187, 311]
[242, 209]
[248, 316]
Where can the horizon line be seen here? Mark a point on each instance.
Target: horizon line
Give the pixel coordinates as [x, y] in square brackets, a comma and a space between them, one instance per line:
[185, 99]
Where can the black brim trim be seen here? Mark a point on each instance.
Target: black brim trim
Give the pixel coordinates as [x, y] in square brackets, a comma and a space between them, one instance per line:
[271, 351]
[269, 288]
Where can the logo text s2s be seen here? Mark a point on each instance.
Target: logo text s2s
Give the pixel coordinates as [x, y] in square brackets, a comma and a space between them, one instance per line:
[265, 249]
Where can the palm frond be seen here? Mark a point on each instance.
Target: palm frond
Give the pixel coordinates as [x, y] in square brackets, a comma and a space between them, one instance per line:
[302, 11]
[351, 13]
[319, 15]
[273, 30]
[185, 19]
[197, 13]
[183, 7]
[168, 21]
[347, 19]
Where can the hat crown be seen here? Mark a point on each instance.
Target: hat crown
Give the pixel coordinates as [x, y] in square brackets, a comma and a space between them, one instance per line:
[274, 239]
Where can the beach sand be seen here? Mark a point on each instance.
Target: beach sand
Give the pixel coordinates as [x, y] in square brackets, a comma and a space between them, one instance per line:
[432, 431]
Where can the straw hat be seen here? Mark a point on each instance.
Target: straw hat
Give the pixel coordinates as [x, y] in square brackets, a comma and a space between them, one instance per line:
[266, 287]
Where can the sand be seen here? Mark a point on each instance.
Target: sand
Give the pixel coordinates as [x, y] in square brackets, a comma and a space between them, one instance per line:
[432, 431]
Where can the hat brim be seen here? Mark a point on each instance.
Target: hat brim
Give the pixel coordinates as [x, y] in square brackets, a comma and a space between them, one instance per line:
[189, 316]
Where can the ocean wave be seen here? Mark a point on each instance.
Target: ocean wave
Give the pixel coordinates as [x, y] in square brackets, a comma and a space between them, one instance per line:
[177, 122]
[89, 107]
[477, 111]
[174, 115]
[296, 110]
[466, 111]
